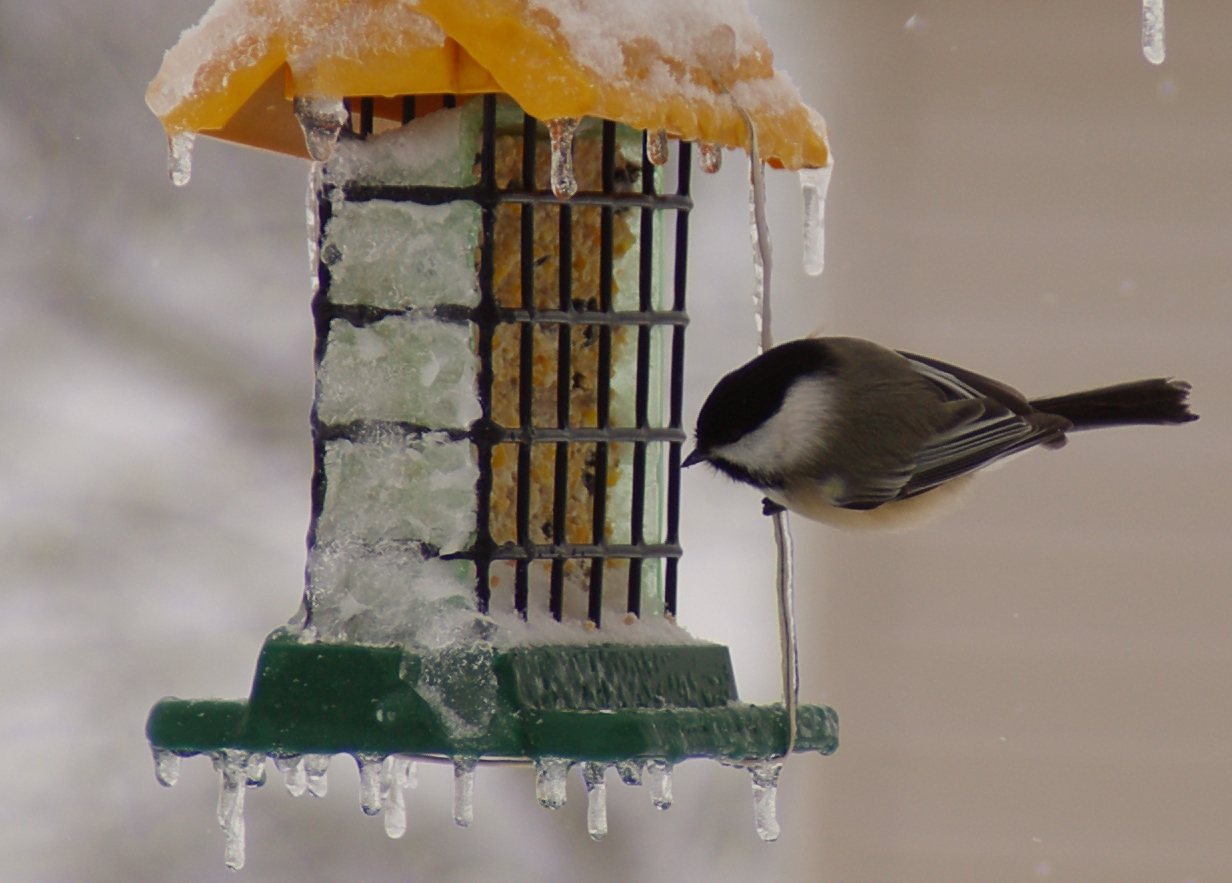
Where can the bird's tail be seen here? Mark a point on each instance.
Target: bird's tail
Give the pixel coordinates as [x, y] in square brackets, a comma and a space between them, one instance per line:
[1158, 401]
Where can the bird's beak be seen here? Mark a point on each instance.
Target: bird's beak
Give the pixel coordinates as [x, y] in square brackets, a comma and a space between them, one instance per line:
[695, 456]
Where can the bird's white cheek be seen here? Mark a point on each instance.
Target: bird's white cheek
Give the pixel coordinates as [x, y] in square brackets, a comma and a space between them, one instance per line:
[790, 439]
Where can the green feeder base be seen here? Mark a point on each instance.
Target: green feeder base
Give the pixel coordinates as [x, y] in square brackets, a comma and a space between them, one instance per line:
[601, 703]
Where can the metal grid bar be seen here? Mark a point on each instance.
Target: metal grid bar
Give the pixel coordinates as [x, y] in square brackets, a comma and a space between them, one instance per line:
[526, 367]
[676, 380]
[485, 433]
[486, 320]
[367, 114]
[594, 610]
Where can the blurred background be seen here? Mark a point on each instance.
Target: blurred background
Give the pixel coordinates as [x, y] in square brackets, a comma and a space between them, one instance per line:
[1036, 687]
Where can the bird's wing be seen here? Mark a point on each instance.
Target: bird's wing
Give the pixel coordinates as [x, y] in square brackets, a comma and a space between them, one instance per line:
[1006, 426]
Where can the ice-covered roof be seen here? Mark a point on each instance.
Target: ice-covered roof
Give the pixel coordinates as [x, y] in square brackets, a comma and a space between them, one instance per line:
[678, 65]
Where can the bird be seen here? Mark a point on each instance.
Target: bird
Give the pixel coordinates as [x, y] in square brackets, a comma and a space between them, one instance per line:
[853, 434]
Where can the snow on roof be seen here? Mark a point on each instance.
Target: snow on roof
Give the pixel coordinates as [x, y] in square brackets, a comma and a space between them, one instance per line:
[678, 65]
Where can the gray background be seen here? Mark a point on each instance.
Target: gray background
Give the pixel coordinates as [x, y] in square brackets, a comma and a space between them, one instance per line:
[1033, 688]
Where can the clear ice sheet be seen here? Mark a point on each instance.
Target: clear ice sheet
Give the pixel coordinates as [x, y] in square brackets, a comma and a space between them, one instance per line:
[1153, 31]
[401, 368]
[813, 186]
[401, 255]
[397, 488]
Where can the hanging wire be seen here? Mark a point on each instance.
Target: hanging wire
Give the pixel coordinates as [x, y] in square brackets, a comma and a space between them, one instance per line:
[784, 578]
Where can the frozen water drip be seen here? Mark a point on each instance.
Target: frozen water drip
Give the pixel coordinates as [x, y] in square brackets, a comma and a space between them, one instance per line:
[166, 766]
[1153, 30]
[370, 767]
[463, 791]
[564, 185]
[550, 773]
[765, 791]
[630, 771]
[292, 769]
[316, 769]
[659, 778]
[813, 186]
[396, 774]
[711, 156]
[657, 148]
[238, 771]
[596, 799]
[322, 120]
[179, 157]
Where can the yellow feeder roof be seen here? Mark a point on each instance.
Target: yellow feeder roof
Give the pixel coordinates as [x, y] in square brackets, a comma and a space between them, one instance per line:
[677, 65]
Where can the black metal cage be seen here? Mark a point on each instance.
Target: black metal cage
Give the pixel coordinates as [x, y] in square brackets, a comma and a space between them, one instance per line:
[568, 318]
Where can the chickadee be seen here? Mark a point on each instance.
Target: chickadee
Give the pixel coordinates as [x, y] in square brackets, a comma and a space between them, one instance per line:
[852, 434]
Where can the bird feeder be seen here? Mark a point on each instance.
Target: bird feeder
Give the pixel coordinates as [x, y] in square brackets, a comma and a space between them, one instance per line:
[497, 424]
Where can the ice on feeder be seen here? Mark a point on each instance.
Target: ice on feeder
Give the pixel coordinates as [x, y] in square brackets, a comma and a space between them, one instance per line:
[550, 781]
[398, 487]
[561, 130]
[179, 157]
[370, 769]
[292, 768]
[657, 148]
[711, 156]
[813, 186]
[166, 766]
[1153, 30]
[238, 770]
[316, 770]
[630, 771]
[402, 368]
[397, 774]
[464, 791]
[765, 791]
[434, 150]
[402, 255]
[659, 777]
[322, 120]
[596, 799]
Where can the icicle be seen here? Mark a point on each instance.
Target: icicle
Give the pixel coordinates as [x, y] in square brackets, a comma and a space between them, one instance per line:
[370, 782]
[166, 766]
[561, 129]
[1153, 30]
[292, 768]
[463, 790]
[711, 158]
[316, 769]
[765, 790]
[657, 148]
[630, 771]
[596, 799]
[398, 773]
[550, 773]
[813, 186]
[321, 119]
[179, 157]
[233, 767]
[659, 777]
